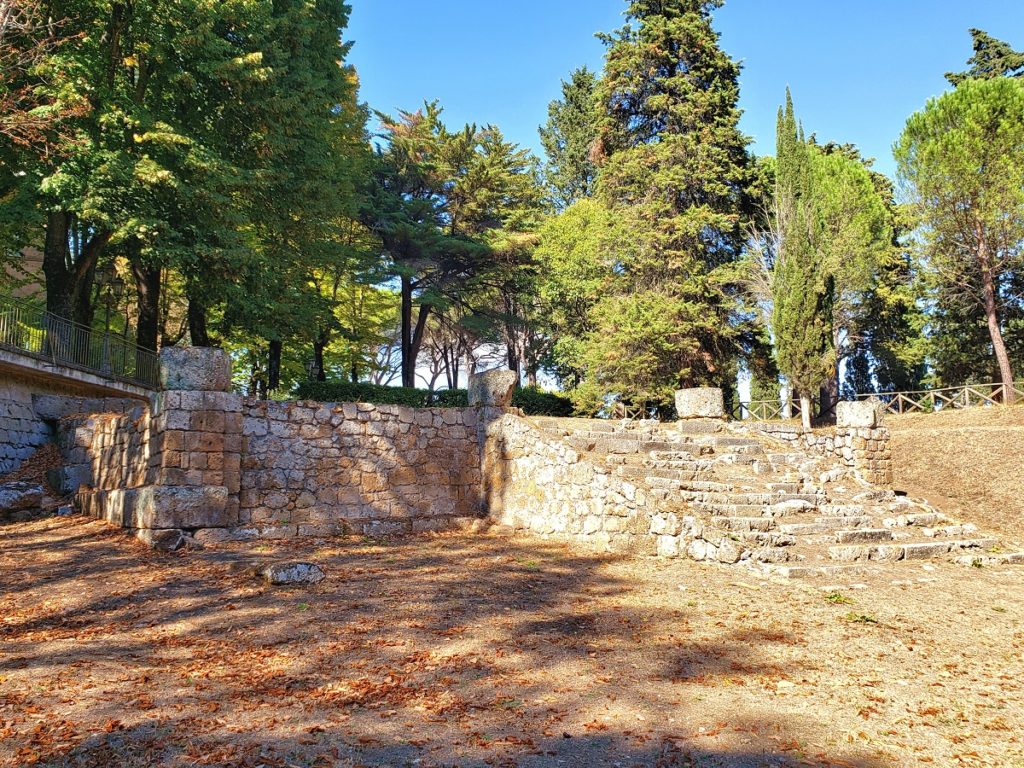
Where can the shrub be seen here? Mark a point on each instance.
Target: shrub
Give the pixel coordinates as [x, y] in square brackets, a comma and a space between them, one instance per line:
[533, 401]
[536, 402]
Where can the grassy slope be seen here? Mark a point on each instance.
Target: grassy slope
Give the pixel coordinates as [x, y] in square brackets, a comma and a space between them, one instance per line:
[968, 463]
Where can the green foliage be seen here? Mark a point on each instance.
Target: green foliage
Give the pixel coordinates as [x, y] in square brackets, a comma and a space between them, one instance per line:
[961, 160]
[348, 392]
[992, 58]
[452, 210]
[835, 248]
[803, 287]
[533, 401]
[568, 138]
[673, 177]
[536, 402]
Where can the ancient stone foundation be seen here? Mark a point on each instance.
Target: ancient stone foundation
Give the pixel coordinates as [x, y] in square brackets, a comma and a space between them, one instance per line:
[859, 440]
[209, 465]
[202, 465]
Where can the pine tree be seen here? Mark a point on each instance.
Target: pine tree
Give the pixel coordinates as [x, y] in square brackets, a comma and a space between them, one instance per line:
[962, 158]
[802, 289]
[568, 140]
[992, 58]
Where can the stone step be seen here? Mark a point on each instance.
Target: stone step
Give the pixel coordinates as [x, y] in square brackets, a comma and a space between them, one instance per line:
[785, 487]
[775, 555]
[819, 571]
[733, 510]
[764, 499]
[737, 442]
[843, 510]
[766, 539]
[862, 535]
[699, 426]
[824, 525]
[1001, 558]
[648, 473]
[925, 519]
[763, 524]
[708, 486]
[909, 551]
[952, 531]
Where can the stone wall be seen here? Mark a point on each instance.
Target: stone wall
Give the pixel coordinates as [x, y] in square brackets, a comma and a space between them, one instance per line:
[865, 449]
[106, 451]
[320, 469]
[537, 484]
[21, 431]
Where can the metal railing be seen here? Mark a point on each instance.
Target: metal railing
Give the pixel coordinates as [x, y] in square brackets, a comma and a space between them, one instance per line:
[41, 334]
[929, 400]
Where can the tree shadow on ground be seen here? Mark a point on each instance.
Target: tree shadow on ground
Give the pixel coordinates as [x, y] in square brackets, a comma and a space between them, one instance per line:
[449, 650]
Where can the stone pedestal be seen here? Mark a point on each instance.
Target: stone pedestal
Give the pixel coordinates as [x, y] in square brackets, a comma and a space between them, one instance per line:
[492, 389]
[195, 369]
[860, 414]
[700, 403]
[179, 461]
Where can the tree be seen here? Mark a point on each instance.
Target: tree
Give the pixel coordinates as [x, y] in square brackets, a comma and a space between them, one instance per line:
[992, 58]
[568, 140]
[803, 287]
[445, 205]
[675, 172]
[962, 161]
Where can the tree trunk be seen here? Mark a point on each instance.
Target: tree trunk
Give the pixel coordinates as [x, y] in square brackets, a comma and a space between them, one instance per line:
[274, 365]
[805, 411]
[197, 330]
[147, 286]
[56, 258]
[992, 317]
[412, 337]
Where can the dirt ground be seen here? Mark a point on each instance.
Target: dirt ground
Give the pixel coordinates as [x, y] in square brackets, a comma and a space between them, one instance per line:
[966, 462]
[463, 650]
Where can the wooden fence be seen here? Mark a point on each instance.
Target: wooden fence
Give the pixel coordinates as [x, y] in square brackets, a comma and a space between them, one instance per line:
[929, 400]
[920, 401]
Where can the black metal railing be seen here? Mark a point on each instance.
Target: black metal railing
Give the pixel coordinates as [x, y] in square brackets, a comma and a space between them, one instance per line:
[41, 334]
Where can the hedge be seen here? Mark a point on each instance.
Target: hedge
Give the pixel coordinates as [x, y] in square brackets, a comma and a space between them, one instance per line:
[533, 401]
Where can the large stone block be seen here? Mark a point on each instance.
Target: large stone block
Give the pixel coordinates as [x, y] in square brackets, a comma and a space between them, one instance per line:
[861, 414]
[203, 369]
[700, 403]
[182, 507]
[492, 388]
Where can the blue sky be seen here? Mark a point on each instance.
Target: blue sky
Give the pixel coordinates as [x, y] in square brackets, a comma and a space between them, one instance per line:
[857, 68]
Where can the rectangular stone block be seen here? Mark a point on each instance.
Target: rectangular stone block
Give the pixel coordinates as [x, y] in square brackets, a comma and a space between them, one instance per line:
[181, 507]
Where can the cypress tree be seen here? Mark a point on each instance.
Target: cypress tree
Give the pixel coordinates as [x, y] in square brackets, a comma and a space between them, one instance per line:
[802, 288]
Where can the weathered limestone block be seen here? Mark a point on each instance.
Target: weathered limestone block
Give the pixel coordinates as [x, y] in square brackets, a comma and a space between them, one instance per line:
[860, 414]
[56, 407]
[290, 574]
[196, 369]
[492, 388]
[181, 507]
[18, 497]
[700, 403]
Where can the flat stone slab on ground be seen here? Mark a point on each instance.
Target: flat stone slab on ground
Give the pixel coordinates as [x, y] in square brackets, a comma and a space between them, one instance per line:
[285, 574]
[18, 497]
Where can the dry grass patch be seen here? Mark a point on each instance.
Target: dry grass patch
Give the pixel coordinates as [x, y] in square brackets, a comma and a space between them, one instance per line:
[966, 462]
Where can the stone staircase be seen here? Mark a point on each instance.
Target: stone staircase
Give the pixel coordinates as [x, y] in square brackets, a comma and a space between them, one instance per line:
[748, 498]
